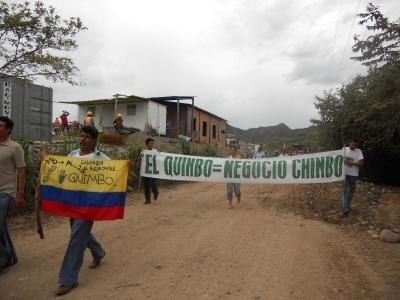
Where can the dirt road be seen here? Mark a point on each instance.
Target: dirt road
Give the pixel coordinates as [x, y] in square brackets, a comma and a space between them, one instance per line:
[190, 246]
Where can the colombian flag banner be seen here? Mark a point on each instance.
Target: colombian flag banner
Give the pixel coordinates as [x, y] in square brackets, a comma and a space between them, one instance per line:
[83, 188]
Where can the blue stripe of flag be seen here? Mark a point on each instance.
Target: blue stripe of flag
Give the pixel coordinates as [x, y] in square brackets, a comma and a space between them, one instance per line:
[79, 198]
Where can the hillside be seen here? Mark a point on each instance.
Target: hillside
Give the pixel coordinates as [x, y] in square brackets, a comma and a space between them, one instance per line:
[274, 137]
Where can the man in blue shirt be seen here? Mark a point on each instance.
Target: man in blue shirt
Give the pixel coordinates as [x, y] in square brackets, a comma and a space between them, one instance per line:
[81, 236]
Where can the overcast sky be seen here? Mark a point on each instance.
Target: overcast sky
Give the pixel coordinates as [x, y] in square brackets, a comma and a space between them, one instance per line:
[252, 62]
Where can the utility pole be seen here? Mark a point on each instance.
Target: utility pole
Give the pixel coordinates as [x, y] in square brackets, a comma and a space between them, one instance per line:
[116, 102]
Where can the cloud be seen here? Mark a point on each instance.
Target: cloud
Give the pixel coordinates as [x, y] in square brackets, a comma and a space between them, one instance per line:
[255, 63]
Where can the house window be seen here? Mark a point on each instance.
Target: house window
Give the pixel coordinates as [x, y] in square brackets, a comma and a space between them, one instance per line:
[92, 109]
[204, 128]
[194, 124]
[131, 110]
[214, 135]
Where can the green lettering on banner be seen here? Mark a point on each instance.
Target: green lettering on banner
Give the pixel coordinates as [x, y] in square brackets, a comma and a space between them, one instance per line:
[177, 165]
[274, 170]
[305, 168]
[147, 169]
[338, 165]
[155, 171]
[228, 169]
[190, 166]
[208, 164]
[319, 167]
[168, 165]
[312, 160]
[295, 173]
[256, 169]
[197, 167]
[329, 166]
[183, 166]
[266, 173]
[316, 167]
[236, 168]
[246, 169]
[282, 166]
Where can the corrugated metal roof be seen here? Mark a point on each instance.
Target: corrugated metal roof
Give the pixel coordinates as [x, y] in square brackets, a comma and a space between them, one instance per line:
[134, 98]
[170, 99]
[128, 99]
[173, 98]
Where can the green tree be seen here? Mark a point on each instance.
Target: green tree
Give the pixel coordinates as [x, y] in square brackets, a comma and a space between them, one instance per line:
[368, 107]
[32, 36]
[330, 107]
[383, 46]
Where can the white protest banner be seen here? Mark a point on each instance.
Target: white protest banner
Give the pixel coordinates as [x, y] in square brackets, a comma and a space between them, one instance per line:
[307, 168]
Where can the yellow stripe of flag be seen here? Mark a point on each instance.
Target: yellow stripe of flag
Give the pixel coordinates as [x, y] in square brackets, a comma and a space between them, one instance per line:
[84, 174]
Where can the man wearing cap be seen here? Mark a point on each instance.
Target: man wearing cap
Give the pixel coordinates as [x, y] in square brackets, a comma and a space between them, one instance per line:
[89, 121]
[117, 123]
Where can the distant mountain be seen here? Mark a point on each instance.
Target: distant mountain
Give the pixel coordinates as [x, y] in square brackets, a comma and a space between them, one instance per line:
[274, 137]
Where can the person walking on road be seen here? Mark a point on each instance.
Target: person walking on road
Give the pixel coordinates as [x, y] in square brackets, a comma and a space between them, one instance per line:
[233, 187]
[12, 185]
[81, 236]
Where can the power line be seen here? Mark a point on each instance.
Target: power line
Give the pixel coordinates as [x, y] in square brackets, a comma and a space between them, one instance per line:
[347, 41]
[336, 31]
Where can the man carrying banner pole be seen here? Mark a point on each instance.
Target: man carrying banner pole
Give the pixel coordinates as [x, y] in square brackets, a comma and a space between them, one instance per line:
[81, 236]
[148, 182]
[353, 161]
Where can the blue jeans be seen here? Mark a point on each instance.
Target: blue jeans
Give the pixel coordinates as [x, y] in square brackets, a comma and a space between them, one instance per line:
[73, 259]
[8, 256]
[348, 189]
[232, 187]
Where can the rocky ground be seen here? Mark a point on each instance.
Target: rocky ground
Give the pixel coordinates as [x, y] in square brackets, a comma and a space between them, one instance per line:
[281, 242]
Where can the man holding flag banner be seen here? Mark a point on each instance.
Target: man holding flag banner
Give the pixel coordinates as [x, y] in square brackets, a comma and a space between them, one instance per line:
[84, 186]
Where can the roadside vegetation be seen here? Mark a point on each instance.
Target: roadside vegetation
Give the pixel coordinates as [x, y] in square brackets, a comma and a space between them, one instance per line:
[368, 107]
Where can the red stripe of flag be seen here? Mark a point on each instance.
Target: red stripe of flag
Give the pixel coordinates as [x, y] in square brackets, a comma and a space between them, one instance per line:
[83, 213]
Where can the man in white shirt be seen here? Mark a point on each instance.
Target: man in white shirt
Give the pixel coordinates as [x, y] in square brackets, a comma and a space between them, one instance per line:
[148, 182]
[353, 161]
[259, 153]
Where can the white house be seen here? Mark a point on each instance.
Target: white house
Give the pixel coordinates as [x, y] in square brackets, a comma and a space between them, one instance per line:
[137, 112]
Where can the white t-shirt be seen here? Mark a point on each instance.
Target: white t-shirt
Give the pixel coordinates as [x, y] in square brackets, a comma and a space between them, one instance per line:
[354, 156]
[260, 154]
[153, 151]
[95, 154]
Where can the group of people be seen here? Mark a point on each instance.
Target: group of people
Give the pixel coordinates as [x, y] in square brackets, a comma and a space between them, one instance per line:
[353, 160]
[61, 123]
[12, 185]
